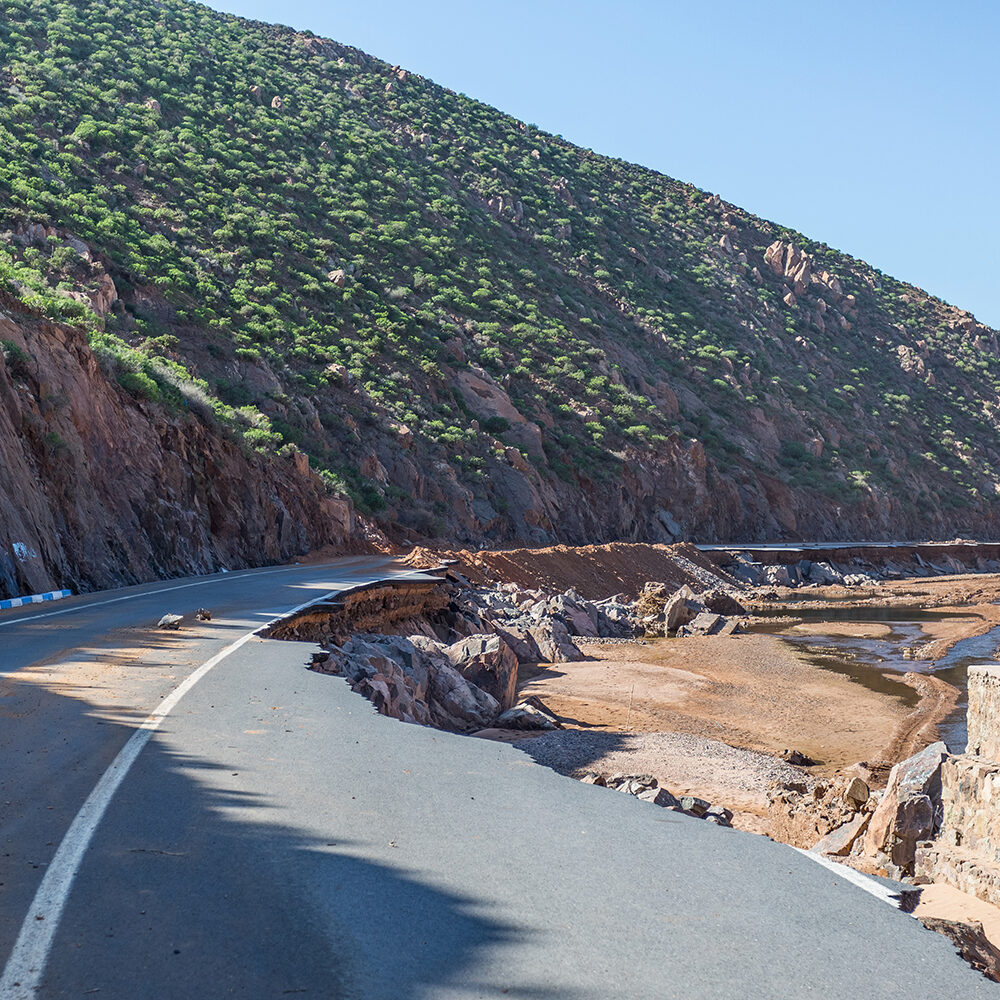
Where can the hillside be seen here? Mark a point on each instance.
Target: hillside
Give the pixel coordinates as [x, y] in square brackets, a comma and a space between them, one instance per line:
[476, 331]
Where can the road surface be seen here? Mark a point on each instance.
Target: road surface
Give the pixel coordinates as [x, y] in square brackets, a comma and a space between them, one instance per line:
[275, 837]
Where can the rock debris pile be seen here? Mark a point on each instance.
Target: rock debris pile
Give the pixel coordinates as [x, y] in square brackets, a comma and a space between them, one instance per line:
[847, 819]
[825, 573]
[647, 788]
[456, 667]
[660, 611]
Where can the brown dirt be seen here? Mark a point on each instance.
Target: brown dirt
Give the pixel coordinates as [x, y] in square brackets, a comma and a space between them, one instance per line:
[750, 691]
[594, 571]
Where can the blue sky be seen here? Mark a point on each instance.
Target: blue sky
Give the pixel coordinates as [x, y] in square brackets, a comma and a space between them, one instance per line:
[874, 127]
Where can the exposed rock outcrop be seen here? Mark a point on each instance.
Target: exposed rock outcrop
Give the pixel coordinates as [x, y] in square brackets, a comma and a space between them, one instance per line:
[909, 811]
[100, 489]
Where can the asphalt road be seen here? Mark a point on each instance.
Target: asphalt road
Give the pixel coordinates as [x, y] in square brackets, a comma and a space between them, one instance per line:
[275, 837]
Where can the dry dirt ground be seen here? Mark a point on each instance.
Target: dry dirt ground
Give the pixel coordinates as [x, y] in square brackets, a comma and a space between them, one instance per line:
[752, 692]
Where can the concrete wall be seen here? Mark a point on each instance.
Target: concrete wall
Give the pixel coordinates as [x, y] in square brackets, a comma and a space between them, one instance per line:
[984, 712]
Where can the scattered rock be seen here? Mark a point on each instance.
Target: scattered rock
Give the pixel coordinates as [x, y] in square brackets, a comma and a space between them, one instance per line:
[659, 797]
[695, 806]
[719, 815]
[203, 615]
[857, 792]
[528, 714]
[839, 842]
[170, 621]
[797, 758]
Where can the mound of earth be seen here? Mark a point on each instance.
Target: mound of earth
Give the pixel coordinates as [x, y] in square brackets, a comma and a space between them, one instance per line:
[593, 571]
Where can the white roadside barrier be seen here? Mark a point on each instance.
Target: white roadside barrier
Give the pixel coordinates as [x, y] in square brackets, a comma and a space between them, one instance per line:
[19, 602]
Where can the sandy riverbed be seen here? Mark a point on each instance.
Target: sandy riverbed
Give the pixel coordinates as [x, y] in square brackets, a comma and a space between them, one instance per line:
[751, 691]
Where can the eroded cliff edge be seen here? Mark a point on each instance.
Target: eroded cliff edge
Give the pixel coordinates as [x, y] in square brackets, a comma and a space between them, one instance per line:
[99, 489]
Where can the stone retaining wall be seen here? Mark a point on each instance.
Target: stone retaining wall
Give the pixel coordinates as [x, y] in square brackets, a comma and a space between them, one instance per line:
[984, 712]
[966, 853]
[970, 801]
[937, 862]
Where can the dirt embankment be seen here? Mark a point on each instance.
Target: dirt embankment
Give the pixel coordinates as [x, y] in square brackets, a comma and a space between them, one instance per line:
[99, 489]
[593, 571]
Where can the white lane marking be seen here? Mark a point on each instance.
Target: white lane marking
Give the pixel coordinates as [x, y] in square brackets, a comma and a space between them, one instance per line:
[876, 889]
[26, 965]
[152, 593]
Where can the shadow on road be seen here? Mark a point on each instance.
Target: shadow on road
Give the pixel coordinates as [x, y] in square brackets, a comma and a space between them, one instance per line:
[577, 748]
[196, 887]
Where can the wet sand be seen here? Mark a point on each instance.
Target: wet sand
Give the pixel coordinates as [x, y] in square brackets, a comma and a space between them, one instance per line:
[971, 602]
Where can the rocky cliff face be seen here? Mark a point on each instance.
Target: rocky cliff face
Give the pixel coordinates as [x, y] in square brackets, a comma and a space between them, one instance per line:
[98, 489]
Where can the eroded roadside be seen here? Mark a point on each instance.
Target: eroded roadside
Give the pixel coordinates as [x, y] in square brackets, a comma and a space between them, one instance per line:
[509, 662]
[686, 694]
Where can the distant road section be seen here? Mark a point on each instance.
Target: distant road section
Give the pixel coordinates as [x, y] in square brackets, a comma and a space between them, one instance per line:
[772, 552]
[276, 837]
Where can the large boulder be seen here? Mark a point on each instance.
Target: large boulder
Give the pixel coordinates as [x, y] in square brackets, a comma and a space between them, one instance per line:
[722, 603]
[681, 608]
[489, 663]
[909, 811]
[703, 623]
[840, 842]
[554, 642]
[824, 574]
[531, 713]
[522, 642]
[457, 704]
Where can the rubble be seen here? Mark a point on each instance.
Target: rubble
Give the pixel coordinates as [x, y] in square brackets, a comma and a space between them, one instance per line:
[647, 788]
[660, 611]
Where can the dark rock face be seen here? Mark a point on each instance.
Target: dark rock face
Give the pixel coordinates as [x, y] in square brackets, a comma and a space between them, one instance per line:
[98, 489]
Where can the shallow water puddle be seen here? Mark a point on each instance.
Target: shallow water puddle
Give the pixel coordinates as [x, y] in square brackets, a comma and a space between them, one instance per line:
[871, 660]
